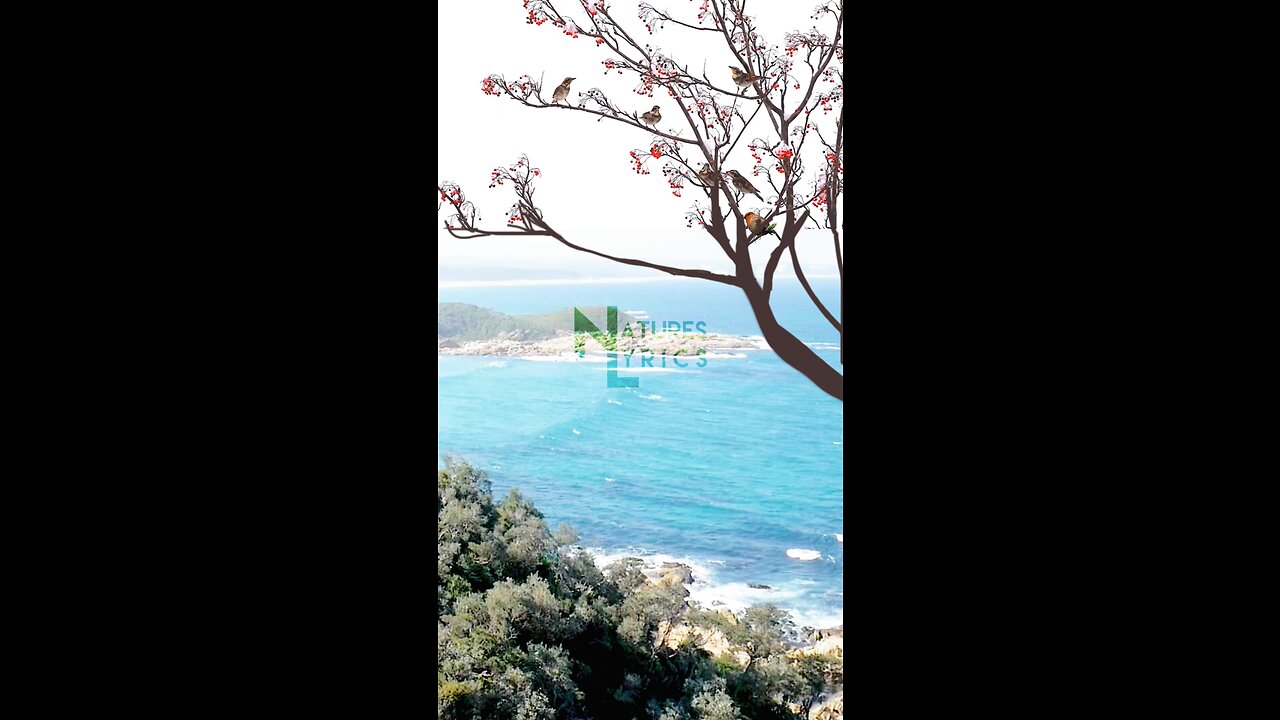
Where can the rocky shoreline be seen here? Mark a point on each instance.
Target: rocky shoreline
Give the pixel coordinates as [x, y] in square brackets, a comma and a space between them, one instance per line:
[806, 641]
[511, 344]
[826, 641]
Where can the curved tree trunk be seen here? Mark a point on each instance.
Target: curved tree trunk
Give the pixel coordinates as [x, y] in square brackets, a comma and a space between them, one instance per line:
[792, 351]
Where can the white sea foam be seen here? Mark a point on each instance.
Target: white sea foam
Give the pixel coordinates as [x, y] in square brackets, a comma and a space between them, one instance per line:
[801, 554]
[701, 573]
[611, 401]
[823, 345]
[839, 538]
[497, 364]
[609, 479]
[789, 596]
[711, 594]
[575, 431]
[653, 397]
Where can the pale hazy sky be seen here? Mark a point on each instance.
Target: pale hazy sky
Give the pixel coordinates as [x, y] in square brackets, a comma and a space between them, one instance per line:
[587, 190]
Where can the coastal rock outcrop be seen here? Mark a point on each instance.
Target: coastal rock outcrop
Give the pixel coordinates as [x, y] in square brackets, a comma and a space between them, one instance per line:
[525, 344]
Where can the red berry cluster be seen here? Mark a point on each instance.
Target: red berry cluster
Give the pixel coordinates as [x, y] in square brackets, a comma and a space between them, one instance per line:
[637, 163]
[674, 178]
[490, 86]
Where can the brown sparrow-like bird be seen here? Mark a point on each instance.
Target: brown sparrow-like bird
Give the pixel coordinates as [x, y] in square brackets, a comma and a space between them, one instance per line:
[743, 79]
[743, 185]
[708, 177]
[652, 118]
[562, 90]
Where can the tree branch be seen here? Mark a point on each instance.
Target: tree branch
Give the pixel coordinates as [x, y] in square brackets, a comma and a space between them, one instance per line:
[795, 260]
[703, 274]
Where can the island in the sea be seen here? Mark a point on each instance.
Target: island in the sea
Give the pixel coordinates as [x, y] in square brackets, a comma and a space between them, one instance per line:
[463, 329]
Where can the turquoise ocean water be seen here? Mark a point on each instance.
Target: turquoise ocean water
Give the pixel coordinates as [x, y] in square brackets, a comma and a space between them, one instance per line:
[726, 467]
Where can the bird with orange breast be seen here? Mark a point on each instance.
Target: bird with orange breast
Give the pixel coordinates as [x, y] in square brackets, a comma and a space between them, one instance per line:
[759, 227]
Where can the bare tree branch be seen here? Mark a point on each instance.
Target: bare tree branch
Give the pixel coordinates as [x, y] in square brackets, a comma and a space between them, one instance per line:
[718, 120]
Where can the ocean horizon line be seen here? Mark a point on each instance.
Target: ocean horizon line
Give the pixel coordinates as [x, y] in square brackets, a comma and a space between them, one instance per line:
[533, 282]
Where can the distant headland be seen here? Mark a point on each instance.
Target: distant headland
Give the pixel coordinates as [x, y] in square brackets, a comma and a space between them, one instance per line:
[463, 329]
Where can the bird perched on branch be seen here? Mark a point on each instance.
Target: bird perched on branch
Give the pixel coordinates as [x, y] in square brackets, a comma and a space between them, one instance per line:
[707, 176]
[652, 118]
[759, 227]
[562, 90]
[743, 185]
[744, 79]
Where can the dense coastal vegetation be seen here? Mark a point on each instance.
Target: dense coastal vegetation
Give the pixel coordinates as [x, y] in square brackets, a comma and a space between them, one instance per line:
[530, 628]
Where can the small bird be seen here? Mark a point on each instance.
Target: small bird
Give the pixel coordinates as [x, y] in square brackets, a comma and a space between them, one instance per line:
[743, 79]
[707, 176]
[562, 91]
[652, 118]
[743, 185]
[758, 227]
